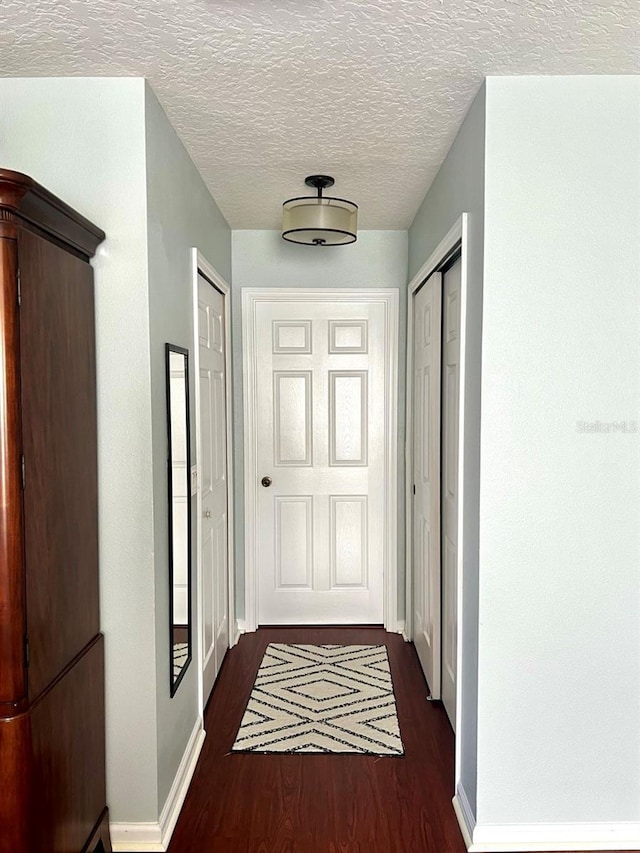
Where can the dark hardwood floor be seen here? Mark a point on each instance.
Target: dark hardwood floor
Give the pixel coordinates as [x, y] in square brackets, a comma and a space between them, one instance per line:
[243, 803]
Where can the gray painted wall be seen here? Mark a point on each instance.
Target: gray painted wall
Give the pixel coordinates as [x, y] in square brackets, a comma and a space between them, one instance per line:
[559, 342]
[105, 147]
[180, 214]
[459, 188]
[264, 259]
[84, 140]
[559, 644]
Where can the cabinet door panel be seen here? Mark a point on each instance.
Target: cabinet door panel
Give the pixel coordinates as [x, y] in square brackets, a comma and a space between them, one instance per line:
[59, 440]
[68, 774]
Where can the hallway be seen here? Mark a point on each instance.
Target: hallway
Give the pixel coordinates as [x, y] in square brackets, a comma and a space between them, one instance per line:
[322, 803]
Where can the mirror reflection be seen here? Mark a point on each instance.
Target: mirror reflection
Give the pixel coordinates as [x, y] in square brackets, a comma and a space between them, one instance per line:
[179, 512]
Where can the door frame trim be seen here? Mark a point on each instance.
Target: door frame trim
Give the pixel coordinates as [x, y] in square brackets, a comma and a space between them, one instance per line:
[457, 234]
[200, 264]
[390, 298]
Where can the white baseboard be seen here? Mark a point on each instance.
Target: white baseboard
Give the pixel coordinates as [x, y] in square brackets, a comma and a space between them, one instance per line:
[136, 837]
[555, 837]
[512, 838]
[238, 630]
[242, 627]
[464, 813]
[173, 805]
[394, 626]
[155, 837]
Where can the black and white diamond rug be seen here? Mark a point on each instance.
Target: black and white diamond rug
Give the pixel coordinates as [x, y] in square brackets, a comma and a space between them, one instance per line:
[321, 699]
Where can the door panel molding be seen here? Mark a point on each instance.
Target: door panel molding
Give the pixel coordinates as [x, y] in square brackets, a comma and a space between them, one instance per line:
[200, 265]
[426, 477]
[346, 340]
[450, 425]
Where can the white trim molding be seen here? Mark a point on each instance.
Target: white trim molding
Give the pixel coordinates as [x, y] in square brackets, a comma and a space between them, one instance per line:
[149, 837]
[136, 838]
[199, 264]
[390, 298]
[238, 630]
[464, 813]
[511, 838]
[494, 838]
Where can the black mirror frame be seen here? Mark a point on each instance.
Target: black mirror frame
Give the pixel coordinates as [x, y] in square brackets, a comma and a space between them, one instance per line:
[174, 683]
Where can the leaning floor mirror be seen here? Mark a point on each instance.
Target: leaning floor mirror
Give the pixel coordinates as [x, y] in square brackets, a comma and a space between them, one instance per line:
[178, 469]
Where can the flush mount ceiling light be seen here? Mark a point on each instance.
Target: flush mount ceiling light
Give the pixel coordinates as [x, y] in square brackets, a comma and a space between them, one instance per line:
[319, 220]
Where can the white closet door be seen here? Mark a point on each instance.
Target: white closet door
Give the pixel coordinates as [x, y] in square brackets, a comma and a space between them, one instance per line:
[426, 479]
[450, 430]
[320, 389]
[213, 480]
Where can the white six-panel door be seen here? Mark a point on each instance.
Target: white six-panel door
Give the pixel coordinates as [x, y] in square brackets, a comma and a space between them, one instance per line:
[449, 485]
[426, 479]
[213, 482]
[322, 431]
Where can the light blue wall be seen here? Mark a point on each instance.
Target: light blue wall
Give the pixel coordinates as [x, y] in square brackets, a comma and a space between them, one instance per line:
[559, 645]
[180, 214]
[83, 139]
[264, 259]
[106, 147]
[459, 188]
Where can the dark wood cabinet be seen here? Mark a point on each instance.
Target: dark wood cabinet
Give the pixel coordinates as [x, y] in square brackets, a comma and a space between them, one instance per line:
[52, 754]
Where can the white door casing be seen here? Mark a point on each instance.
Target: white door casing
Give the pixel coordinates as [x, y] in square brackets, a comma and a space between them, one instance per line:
[426, 479]
[320, 391]
[213, 480]
[449, 482]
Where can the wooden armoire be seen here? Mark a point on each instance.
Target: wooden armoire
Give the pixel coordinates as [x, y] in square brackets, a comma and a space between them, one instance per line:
[52, 754]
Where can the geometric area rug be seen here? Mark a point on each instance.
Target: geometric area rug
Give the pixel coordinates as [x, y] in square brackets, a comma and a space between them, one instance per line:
[321, 699]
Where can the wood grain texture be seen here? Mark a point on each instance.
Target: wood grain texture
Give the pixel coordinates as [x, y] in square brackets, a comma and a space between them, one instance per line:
[247, 803]
[15, 773]
[100, 841]
[69, 756]
[33, 204]
[60, 451]
[13, 689]
[52, 764]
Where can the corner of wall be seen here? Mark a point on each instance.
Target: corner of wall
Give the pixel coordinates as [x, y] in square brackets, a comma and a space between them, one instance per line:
[181, 214]
[459, 187]
[559, 507]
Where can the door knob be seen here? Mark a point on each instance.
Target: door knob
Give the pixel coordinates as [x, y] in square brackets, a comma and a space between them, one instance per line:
[266, 482]
[207, 513]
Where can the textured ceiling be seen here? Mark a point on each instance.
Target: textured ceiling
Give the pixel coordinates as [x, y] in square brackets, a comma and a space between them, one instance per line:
[264, 92]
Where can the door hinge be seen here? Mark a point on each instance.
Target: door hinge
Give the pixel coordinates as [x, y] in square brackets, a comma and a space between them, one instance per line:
[22, 472]
[27, 651]
[414, 488]
[19, 289]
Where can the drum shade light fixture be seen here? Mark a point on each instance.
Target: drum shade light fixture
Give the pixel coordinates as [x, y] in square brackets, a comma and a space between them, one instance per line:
[319, 220]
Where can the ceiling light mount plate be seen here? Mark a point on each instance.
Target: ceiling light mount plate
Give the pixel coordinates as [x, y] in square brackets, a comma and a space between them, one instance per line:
[319, 182]
[319, 220]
